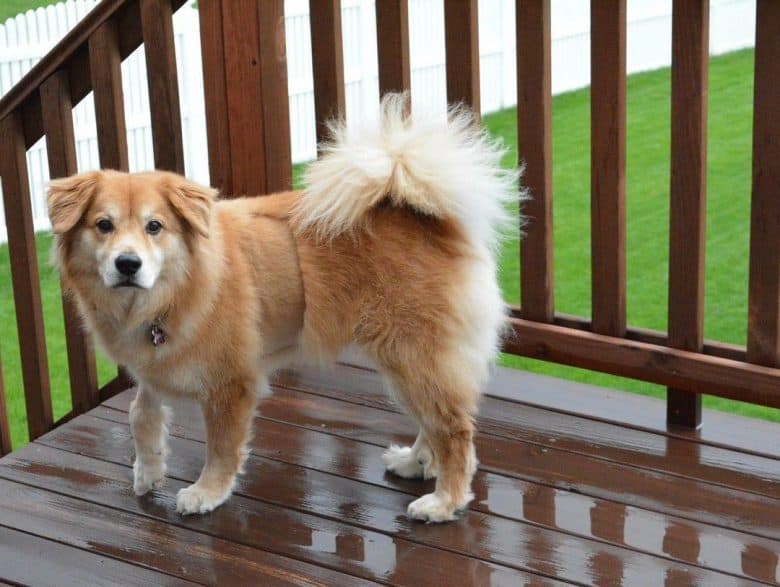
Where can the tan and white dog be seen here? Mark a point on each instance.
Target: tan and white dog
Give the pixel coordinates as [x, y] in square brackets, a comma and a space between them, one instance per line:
[390, 247]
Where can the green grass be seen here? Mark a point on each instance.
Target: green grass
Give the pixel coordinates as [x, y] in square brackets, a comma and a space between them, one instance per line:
[730, 112]
[9, 8]
[647, 212]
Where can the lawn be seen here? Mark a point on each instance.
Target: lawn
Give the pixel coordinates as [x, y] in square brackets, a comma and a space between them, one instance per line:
[729, 132]
[9, 8]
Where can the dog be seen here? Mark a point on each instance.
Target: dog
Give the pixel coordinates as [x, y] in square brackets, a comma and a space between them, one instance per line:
[391, 247]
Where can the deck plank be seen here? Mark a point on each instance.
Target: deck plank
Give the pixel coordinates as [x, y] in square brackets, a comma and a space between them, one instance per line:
[333, 544]
[503, 417]
[150, 543]
[495, 494]
[487, 537]
[31, 560]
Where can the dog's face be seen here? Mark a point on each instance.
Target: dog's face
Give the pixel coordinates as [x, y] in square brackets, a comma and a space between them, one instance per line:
[128, 231]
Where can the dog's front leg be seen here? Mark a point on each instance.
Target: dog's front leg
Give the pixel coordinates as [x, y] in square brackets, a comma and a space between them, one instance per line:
[228, 413]
[149, 421]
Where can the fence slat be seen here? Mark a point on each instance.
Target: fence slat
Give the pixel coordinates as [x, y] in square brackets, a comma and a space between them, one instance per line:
[61, 147]
[106, 74]
[157, 26]
[5, 426]
[764, 292]
[327, 62]
[392, 42]
[24, 273]
[608, 165]
[690, 55]
[461, 39]
[534, 145]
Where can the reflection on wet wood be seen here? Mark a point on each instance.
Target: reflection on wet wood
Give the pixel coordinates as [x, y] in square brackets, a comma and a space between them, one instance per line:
[316, 507]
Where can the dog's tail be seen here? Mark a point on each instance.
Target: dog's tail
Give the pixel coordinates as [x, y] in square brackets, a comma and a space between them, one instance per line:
[445, 169]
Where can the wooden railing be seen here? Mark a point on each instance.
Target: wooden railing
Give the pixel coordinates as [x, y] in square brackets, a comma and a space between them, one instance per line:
[245, 84]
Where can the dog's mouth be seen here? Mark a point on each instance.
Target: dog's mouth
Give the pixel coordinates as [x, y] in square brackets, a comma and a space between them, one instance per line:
[127, 283]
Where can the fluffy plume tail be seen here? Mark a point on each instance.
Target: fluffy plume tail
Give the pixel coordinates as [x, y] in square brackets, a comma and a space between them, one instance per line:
[445, 169]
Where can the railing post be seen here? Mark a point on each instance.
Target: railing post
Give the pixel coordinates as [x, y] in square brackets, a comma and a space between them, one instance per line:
[245, 84]
[392, 41]
[327, 63]
[461, 36]
[690, 55]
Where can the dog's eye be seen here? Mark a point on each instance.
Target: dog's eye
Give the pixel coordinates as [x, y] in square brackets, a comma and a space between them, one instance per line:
[153, 227]
[104, 225]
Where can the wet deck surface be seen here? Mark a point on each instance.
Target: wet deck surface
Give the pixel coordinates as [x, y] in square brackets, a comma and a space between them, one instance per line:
[565, 495]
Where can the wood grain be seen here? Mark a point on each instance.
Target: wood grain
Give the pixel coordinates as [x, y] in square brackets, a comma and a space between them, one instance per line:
[534, 147]
[461, 41]
[764, 289]
[61, 148]
[690, 56]
[24, 274]
[327, 63]
[392, 40]
[608, 166]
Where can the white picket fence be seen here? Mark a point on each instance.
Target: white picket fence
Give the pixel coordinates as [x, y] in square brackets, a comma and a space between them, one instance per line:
[26, 38]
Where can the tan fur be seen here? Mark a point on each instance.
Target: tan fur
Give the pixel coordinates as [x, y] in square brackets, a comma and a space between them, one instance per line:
[240, 286]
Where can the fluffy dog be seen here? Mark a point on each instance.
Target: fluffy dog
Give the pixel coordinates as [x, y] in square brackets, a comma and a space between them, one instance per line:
[390, 247]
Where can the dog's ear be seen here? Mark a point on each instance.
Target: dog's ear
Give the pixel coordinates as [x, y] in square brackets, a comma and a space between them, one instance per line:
[68, 199]
[191, 201]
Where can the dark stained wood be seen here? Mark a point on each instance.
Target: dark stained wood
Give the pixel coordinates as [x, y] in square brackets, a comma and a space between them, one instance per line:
[608, 165]
[5, 427]
[61, 148]
[157, 26]
[690, 55]
[277, 438]
[258, 523]
[275, 103]
[24, 273]
[709, 347]
[274, 481]
[327, 63]
[657, 364]
[534, 147]
[392, 41]
[764, 291]
[510, 419]
[106, 77]
[245, 71]
[22, 558]
[149, 542]
[215, 92]
[244, 94]
[461, 40]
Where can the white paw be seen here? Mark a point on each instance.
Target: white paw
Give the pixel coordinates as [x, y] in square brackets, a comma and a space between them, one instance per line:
[432, 507]
[197, 500]
[148, 476]
[408, 463]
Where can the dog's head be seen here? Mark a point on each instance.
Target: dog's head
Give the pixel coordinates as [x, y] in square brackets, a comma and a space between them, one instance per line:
[128, 232]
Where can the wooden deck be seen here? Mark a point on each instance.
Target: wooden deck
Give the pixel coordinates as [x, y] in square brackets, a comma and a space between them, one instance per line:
[565, 495]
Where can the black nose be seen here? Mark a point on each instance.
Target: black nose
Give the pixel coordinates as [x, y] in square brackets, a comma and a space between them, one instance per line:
[128, 264]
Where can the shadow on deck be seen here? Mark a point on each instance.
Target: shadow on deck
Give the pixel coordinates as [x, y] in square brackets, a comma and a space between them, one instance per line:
[564, 495]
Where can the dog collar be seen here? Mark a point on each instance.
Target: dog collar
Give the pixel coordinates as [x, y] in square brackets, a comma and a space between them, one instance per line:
[157, 334]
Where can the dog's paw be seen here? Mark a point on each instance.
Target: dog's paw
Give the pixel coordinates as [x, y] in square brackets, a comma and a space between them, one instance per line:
[199, 500]
[433, 507]
[148, 476]
[408, 463]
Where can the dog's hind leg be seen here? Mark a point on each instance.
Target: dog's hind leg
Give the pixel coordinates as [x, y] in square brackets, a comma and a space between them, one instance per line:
[149, 421]
[443, 402]
[229, 414]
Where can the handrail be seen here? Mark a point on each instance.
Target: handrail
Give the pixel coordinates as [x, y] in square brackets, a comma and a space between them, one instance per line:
[24, 94]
